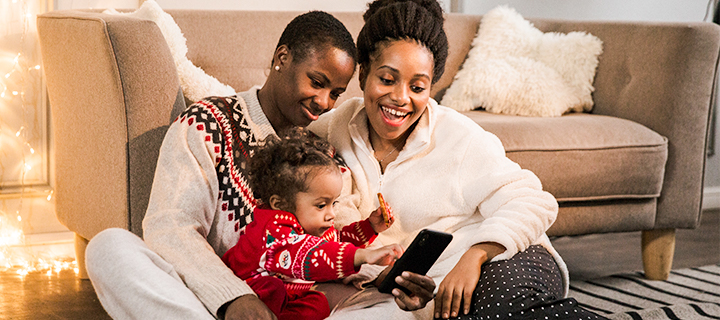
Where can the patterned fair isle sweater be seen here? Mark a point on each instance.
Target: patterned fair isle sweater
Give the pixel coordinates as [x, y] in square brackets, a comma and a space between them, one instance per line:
[275, 244]
[200, 199]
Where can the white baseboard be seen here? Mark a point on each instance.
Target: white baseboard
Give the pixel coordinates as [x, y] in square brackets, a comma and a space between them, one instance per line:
[58, 245]
[711, 198]
[49, 238]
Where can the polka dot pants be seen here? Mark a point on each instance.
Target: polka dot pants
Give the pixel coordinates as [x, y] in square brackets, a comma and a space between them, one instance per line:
[527, 286]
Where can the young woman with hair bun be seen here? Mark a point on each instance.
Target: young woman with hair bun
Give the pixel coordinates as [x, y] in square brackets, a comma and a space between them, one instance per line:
[440, 170]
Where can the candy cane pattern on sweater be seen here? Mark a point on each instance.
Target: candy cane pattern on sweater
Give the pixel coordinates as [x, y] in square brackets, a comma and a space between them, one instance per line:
[275, 244]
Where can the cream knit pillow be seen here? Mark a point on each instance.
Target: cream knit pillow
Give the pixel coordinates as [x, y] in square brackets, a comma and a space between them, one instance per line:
[514, 68]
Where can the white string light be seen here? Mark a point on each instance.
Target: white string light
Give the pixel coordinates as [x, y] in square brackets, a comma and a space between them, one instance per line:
[19, 81]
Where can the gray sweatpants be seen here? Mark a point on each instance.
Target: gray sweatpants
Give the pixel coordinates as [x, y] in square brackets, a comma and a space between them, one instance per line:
[134, 282]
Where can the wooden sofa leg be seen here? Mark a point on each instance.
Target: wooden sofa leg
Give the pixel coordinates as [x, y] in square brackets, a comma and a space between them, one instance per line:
[80, 245]
[658, 249]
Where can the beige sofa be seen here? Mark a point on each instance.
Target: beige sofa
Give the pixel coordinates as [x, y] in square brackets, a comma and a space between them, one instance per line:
[634, 164]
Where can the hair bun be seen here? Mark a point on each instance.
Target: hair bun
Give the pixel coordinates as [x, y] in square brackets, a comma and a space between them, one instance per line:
[431, 6]
[419, 20]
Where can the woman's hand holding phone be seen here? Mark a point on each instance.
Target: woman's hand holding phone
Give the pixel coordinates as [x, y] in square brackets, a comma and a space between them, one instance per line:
[406, 279]
[421, 289]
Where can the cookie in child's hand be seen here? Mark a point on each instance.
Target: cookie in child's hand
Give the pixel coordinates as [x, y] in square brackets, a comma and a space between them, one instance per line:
[384, 209]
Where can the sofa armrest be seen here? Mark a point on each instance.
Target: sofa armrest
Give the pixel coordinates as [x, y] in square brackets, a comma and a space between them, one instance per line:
[663, 76]
[110, 80]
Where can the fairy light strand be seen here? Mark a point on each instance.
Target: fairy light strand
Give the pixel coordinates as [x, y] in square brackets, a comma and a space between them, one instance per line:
[18, 77]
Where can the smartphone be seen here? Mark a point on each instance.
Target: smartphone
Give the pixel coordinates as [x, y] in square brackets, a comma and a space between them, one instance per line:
[422, 253]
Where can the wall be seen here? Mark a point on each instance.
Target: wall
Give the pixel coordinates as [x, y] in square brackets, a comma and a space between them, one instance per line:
[26, 201]
[712, 170]
[646, 10]
[286, 5]
[85, 4]
[633, 10]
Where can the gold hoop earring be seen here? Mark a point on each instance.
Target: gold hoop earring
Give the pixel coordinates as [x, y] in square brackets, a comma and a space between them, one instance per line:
[277, 68]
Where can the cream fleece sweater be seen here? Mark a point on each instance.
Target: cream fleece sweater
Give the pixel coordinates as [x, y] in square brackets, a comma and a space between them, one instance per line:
[451, 176]
[200, 200]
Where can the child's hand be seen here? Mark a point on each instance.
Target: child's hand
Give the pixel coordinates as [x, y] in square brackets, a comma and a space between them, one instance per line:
[382, 256]
[379, 221]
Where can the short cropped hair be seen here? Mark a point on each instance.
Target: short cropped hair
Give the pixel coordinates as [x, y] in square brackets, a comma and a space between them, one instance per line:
[316, 30]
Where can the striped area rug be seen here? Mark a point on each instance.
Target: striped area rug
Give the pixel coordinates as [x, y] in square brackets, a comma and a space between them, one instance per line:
[692, 293]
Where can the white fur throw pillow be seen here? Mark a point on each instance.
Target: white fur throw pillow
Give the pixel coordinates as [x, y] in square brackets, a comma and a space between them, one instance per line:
[195, 83]
[514, 68]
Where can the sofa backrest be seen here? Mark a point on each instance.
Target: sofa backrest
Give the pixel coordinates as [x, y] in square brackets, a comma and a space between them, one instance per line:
[113, 89]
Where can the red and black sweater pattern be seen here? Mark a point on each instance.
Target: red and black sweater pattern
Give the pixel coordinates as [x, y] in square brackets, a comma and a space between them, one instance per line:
[230, 140]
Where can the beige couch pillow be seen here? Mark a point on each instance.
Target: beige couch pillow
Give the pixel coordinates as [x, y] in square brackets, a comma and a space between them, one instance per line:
[514, 68]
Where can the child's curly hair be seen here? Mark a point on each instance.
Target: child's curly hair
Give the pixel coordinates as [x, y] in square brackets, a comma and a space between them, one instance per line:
[284, 165]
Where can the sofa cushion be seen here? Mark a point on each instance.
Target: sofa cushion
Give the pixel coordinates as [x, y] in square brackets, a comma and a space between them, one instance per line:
[583, 157]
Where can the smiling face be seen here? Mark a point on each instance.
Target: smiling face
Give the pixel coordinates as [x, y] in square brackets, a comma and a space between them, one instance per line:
[396, 86]
[314, 208]
[311, 86]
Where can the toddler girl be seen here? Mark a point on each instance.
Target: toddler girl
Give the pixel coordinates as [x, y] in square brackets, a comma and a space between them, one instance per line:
[291, 242]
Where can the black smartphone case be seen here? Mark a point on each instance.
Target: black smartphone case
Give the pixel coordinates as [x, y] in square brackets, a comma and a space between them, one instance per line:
[422, 253]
